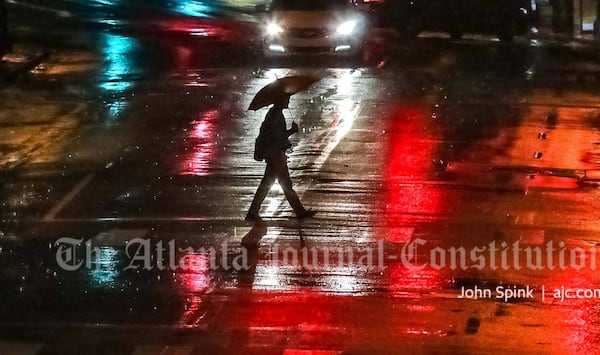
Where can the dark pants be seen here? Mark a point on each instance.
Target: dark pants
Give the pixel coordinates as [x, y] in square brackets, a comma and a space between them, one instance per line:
[276, 169]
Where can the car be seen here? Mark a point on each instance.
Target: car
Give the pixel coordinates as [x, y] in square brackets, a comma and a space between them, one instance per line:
[504, 18]
[312, 27]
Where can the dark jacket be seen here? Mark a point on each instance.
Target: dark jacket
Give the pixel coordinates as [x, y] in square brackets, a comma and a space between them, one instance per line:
[273, 131]
[273, 134]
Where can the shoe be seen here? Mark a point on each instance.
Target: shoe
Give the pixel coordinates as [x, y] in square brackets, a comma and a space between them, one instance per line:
[307, 214]
[250, 217]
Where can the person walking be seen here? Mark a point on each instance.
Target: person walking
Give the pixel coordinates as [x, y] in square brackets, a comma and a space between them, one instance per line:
[272, 142]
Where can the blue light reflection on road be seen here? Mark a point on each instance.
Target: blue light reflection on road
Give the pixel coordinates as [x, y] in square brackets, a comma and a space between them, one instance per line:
[104, 270]
[117, 70]
[191, 8]
[102, 3]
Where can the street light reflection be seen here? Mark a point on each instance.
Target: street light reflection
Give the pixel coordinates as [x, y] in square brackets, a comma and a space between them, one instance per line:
[347, 114]
[274, 74]
[271, 278]
[345, 81]
[350, 280]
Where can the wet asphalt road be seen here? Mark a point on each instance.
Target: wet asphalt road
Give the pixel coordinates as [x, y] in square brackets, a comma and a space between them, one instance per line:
[136, 133]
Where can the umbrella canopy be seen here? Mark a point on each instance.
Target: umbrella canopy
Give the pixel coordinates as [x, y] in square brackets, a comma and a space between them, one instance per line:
[288, 85]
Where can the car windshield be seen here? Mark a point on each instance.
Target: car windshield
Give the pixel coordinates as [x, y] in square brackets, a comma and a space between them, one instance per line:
[308, 5]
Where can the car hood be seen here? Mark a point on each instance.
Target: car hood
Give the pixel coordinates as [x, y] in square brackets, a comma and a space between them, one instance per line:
[308, 19]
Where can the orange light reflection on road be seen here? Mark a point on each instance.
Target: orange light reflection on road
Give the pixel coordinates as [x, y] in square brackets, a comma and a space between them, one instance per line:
[579, 316]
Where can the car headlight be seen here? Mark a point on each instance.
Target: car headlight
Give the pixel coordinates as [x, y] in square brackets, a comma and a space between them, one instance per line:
[273, 29]
[346, 28]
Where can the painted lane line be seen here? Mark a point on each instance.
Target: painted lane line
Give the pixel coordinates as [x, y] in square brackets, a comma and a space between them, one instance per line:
[68, 197]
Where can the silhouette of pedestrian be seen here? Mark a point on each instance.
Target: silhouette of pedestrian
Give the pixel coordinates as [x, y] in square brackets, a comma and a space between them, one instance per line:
[272, 143]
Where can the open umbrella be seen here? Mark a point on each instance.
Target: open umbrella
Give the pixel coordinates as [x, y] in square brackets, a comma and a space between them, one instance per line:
[288, 85]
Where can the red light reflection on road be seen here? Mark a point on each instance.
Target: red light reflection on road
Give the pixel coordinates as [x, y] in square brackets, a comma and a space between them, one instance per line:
[317, 311]
[405, 281]
[408, 197]
[222, 30]
[195, 280]
[194, 27]
[311, 352]
[552, 182]
[410, 153]
[201, 143]
[579, 316]
[183, 56]
[195, 277]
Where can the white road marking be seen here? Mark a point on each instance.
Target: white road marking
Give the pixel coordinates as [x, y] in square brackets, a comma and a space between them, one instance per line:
[68, 197]
[333, 137]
